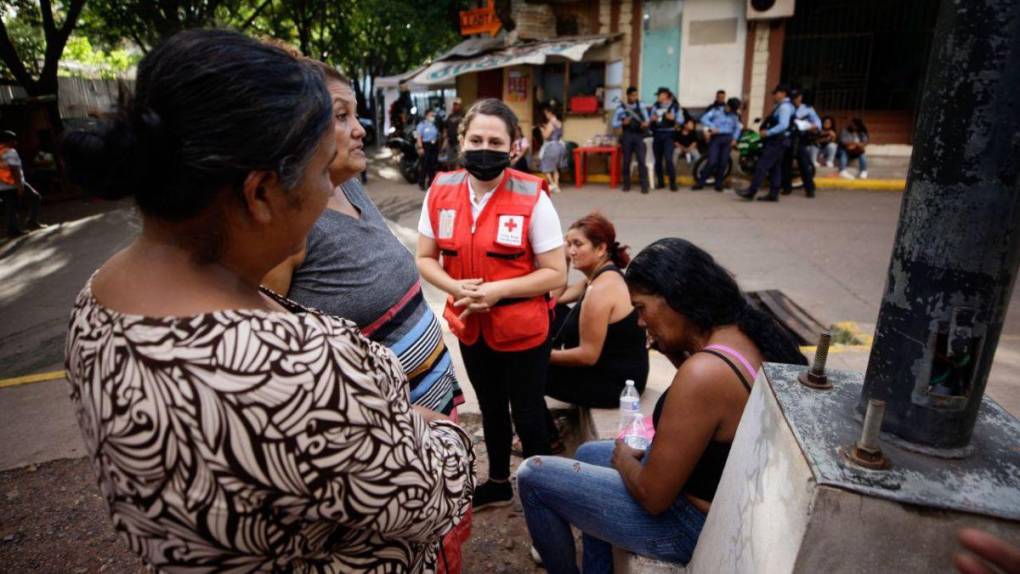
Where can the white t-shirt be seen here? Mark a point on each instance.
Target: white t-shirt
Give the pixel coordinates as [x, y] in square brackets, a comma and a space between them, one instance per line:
[544, 232]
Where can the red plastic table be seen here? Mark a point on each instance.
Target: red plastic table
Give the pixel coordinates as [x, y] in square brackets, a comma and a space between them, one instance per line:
[581, 163]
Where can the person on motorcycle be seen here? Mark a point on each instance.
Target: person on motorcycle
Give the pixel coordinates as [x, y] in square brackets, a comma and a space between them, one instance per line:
[663, 115]
[631, 118]
[776, 133]
[807, 125]
[427, 136]
[723, 126]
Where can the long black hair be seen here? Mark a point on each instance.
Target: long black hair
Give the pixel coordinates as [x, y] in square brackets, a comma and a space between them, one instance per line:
[704, 292]
[210, 106]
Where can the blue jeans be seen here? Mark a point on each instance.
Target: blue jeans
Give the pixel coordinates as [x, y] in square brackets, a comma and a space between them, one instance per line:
[843, 158]
[589, 494]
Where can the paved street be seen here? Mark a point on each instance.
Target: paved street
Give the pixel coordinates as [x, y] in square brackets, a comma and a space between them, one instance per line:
[828, 254]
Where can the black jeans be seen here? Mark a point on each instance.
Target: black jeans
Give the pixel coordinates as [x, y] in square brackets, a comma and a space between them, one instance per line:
[799, 151]
[505, 383]
[662, 147]
[429, 164]
[634, 144]
[11, 204]
[770, 163]
[718, 157]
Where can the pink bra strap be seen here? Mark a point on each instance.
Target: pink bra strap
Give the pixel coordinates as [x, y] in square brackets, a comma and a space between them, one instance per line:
[736, 355]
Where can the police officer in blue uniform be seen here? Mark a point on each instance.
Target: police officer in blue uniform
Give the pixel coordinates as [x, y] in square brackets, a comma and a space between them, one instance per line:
[427, 134]
[724, 126]
[776, 132]
[631, 118]
[806, 125]
[663, 120]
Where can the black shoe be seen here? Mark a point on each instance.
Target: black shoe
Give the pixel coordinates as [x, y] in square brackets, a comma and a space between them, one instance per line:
[787, 191]
[697, 187]
[626, 190]
[768, 198]
[644, 190]
[492, 495]
[746, 194]
[809, 193]
[719, 188]
[673, 187]
[660, 184]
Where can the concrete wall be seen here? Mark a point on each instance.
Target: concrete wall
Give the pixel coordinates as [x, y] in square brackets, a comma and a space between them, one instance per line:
[467, 89]
[757, 90]
[713, 38]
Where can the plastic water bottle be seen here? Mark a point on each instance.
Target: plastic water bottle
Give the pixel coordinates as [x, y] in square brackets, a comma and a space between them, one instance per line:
[635, 433]
[630, 405]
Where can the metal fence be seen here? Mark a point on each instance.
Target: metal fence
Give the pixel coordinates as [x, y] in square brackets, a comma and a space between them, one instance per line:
[78, 97]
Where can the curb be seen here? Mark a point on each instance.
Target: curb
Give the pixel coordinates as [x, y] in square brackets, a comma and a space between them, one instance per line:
[821, 183]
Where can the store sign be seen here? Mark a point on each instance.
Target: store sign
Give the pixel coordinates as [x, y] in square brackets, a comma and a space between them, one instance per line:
[480, 20]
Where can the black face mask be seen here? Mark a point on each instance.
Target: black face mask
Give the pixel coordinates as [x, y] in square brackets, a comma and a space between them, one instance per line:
[486, 164]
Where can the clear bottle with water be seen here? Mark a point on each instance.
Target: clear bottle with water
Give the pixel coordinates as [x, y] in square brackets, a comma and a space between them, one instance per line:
[634, 437]
[630, 403]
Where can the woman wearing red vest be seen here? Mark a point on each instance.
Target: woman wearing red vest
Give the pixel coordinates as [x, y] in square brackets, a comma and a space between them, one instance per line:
[490, 237]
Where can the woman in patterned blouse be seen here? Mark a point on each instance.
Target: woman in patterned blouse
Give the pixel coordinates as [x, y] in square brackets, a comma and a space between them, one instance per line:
[231, 429]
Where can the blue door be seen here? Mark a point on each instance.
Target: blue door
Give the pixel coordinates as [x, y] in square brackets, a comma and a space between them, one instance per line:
[660, 47]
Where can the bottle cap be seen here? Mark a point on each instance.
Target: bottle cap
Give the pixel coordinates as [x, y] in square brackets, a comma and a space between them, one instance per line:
[630, 383]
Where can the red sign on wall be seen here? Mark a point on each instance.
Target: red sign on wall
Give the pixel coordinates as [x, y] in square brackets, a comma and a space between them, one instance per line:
[517, 86]
[480, 20]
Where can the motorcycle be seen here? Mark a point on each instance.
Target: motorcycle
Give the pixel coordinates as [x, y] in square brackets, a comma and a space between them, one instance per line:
[403, 142]
[749, 147]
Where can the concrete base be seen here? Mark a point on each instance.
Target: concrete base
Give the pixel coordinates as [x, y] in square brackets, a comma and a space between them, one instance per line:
[771, 514]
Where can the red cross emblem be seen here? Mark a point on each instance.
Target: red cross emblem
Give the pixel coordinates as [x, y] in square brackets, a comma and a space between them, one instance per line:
[511, 225]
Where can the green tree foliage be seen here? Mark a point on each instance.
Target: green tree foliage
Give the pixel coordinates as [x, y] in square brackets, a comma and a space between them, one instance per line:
[39, 32]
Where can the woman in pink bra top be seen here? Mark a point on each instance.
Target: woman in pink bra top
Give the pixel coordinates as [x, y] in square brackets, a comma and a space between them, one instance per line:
[655, 503]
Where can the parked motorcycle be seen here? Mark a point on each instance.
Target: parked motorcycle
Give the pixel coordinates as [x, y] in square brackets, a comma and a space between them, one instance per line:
[403, 142]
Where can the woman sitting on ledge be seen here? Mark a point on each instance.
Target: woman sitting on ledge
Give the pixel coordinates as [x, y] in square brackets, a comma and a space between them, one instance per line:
[597, 344]
[655, 504]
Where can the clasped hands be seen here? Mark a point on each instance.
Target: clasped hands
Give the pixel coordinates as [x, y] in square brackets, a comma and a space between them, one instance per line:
[475, 296]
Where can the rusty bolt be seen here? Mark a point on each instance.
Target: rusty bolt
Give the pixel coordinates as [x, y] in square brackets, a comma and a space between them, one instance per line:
[815, 377]
[867, 452]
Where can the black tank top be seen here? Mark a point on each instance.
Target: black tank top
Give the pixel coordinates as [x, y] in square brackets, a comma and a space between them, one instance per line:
[624, 355]
[704, 479]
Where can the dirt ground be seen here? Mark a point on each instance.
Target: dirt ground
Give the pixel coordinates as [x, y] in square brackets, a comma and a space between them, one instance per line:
[52, 519]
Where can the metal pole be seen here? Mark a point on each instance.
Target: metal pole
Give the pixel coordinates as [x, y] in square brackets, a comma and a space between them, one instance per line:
[958, 243]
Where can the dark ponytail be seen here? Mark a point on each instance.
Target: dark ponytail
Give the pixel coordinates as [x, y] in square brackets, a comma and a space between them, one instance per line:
[701, 290]
[210, 107]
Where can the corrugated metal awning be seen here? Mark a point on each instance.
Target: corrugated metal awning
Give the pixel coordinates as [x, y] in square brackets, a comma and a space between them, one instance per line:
[533, 53]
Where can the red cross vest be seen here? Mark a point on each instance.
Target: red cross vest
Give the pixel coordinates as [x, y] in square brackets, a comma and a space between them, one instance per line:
[6, 174]
[494, 247]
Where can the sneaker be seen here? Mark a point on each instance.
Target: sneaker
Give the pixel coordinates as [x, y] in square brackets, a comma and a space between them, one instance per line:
[846, 175]
[492, 494]
[863, 175]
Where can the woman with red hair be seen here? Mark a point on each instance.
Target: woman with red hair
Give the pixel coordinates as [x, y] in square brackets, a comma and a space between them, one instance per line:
[597, 345]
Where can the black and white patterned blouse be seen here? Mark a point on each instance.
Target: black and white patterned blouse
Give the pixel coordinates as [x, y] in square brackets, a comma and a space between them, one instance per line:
[257, 441]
